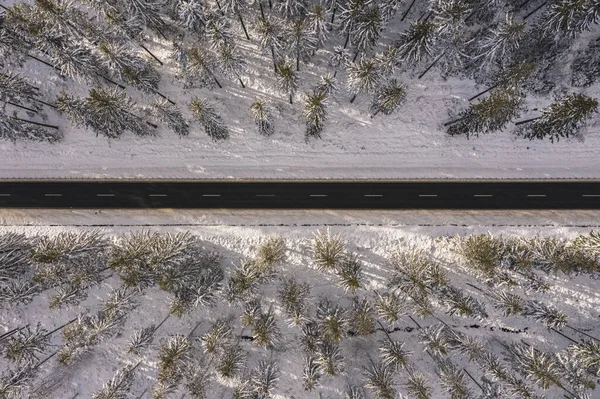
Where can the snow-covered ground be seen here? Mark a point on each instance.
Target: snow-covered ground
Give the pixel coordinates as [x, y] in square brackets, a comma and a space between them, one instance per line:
[411, 143]
[372, 235]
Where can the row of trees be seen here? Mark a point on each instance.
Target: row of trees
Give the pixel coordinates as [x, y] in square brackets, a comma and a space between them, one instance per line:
[100, 44]
[416, 285]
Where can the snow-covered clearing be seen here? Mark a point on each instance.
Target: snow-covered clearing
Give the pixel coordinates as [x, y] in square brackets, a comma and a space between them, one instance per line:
[374, 236]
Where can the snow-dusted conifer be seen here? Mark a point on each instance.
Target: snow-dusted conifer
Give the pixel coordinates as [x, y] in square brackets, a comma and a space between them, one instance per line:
[340, 58]
[110, 113]
[349, 272]
[141, 339]
[570, 17]
[237, 7]
[393, 354]
[265, 378]
[293, 296]
[351, 11]
[265, 332]
[388, 61]
[389, 8]
[13, 129]
[191, 14]
[270, 37]
[263, 117]
[362, 317]
[588, 352]
[318, 22]
[14, 382]
[311, 373]
[364, 76]
[388, 98]
[117, 387]
[314, 113]
[74, 60]
[218, 337]
[199, 68]
[329, 357]
[165, 112]
[417, 384]
[414, 275]
[310, 336]
[586, 66]
[197, 381]
[355, 393]
[128, 67]
[286, 79]
[389, 307]
[302, 41]
[367, 29]
[18, 292]
[230, 62]
[453, 380]
[231, 361]
[327, 250]
[290, 9]
[14, 258]
[500, 43]
[449, 16]
[462, 304]
[510, 304]
[417, 42]
[332, 320]
[27, 344]
[327, 84]
[173, 357]
[218, 31]
[488, 115]
[144, 12]
[466, 345]
[380, 378]
[564, 118]
[15, 88]
[435, 339]
[207, 115]
[539, 367]
[548, 315]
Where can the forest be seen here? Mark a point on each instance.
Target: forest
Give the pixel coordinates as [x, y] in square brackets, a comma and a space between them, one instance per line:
[117, 58]
[172, 315]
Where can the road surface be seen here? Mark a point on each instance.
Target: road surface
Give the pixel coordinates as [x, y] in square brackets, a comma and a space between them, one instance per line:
[302, 195]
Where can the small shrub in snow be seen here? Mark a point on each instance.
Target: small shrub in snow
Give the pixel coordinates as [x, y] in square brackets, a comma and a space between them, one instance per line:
[315, 113]
[327, 250]
[207, 115]
[311, 373]
[141, 339]
[380, 378]
[435, 340]
[271, 252]
[417, 384]
[349, 272]
[362, 317]
[483, 253]
[293, 296]
[389, 307]
[388, 98]
[332, 320]
[245, 279]
[231, 361]
[265, 332]
[393, 354]
[453, 380]
[266, 375]
[466, 345]
[218, 337]
[197, 381]
[27, 344]
[174, 355]
[329, 358]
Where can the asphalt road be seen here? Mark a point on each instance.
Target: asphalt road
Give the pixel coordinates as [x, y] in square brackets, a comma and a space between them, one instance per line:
[302, 195]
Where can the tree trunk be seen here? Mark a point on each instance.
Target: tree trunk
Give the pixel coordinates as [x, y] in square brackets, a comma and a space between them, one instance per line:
[262, 12]
[355, 55]
[243, 25]
[42, 102]
[194, 329]
[142, 394]
[454, 121]
[483, 92]
[347, 39]
[152, 55]
[534, 11]
[163, 96]
[270, 5]
[219, 7]
[432, 64]
[22, 106]
[374, 113]
[241, 82]
[298, 60]
[35, 123]
[334, 73]
[60, 328]
[408, 10]
[273, 55]
[526, 121]
[11, 332]
[332, 17]
[353, 98]
[474, 380]
[291, 102]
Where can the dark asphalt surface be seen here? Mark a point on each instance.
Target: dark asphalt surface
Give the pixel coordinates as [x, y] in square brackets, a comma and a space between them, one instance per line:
[302, 195]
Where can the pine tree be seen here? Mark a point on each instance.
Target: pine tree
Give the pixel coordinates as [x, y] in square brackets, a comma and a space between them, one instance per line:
[340, 57]
[13, 383]
[18, 292]
[266, 375]
[564, 118]
[265, 331]
[173, 358]
[314, 113]
[586, 66]
[327, 250]
[302, 41]
[231, 361]
[117, 387]
[197, 381]
[231, 63]
[218, 337]
[293, 296]
[141, 339]
[453, 380]
[332, 320]
[329, 357]
[415, 276]
[269, 35]
[17, 129]
[510, 304]
[199, 68]
[218, 31]
[589, 353]
[237, 7]
[263, 117]
[349, 272]
[449, 16]
[311, 373]
[355, 393]
[389, 8]
[163, 111]
[327, 85]
[393, 354]
[388, 61]
[318, 23]
[435, 340]
[191, 14]
[389, 307]
[206, 114]
[310, 337]
[417, 384]
[16, 89]
[537, 366]
[144, 12]
[364, 76]
[362, 317]
[500, 43]
[462, 304]
[550, 316]
[388, 98]
[27, 344]
[380, 378]
[488, 115]
[466, 345]
[351, 11]
[74, 59]
[417, 42]
[291, 9]
[14, 256]
[128, 67]
[367, 29]
[286, 79]
[570, 17]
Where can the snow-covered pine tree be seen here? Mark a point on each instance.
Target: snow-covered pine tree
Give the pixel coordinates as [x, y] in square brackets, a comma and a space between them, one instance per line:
[588, 352]
[18, 292]
[270, 37]
[286, 79]
[327, 84]
[73, 59]
[14, 254]
[265, 377]
[488, 115]
[218, 31]
[263, 117]
[349, 272]
[207, 115]
[340, 58]
[389, 8]
[453, 380]
[16, 89]
[318, 23]
[231, 62]
[389, 307]
[332, 320]
[199, 68]
[362, 320]
[367, 29]
[252, 310]
[499, 44]
[462, 304]
[417, 42]
[293, 296]
[329, 357]
[302, 41]
[197, 380]
[435, 340]
[539, 367]
[291, 9]
[333, 6]
[510, 304]
[548, 315]
[218, 337]
[231, 361]
[449, 16]
[13, 47]
[315, 113]
[174, 356]
[310, 336]
[353, 392]
[191, 14]
[15, 129]
[415, 276]
[570, 17]
[145, 13]
[380, 378]
[586, 66]
[566, 117]
[417, 384]
[388, 98]
[311, 373]
[393, 354]
[165, 112]
[327, 250]
[464, 344]
[27, 344]
[575, 373]
[265, 332]
[119, 385]
[364, 76]
[388, 61]
[237, 7]
[351, 11]
[128, 67]
[14, 382]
